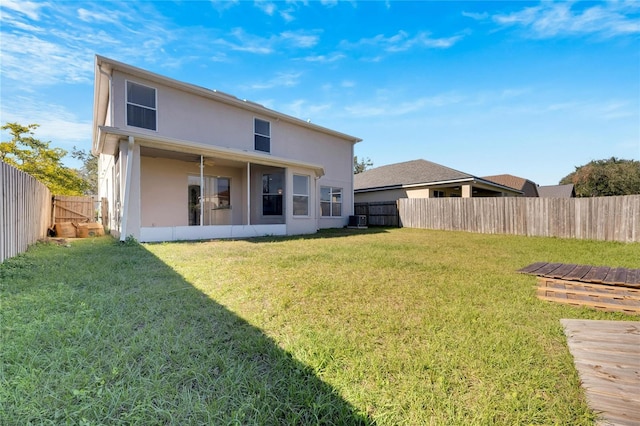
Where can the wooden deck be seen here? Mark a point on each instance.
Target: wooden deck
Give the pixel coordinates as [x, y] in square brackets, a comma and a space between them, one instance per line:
[623, 277]
[607, 357]
[598, 287]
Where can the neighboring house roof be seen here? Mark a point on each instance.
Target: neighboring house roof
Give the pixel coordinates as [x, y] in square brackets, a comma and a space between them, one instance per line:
[529, 188]
[411, 173]
[557, 191]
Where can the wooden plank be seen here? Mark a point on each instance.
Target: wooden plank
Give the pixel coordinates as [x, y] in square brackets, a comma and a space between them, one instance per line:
[615, 275]
[607, 307]
[554, 283]
[548, 268]
[530, 269]
[579, 272]
[562, 270]
[597, 274]
[611, 386]
[633, 277]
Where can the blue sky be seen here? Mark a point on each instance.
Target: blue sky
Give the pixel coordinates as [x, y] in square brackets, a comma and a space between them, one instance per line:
[527, 88]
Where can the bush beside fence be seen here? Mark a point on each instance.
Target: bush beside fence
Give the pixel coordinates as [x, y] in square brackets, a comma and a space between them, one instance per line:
[599, 218]
[25, 213]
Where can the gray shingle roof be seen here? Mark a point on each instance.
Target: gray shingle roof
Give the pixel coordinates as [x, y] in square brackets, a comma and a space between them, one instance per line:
[525, 185]
[556, 191]
[407, 173]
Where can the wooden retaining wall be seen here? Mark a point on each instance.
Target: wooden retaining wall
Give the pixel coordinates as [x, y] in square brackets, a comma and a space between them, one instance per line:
[598, 218]
[25, 212]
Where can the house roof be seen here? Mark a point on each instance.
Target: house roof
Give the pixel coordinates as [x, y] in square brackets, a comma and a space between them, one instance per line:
[104, 68]
[525, 185]
[407, 173]
[557, 191]
[412, 173]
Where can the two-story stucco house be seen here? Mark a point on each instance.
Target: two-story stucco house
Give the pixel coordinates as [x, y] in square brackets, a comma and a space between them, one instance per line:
[181, 162]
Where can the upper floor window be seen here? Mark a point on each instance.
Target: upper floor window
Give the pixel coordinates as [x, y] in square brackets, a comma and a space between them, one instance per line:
[141, 106]
[262, 135]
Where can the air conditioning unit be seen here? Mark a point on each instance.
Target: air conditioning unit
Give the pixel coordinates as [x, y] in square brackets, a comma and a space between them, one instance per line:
[358, 221]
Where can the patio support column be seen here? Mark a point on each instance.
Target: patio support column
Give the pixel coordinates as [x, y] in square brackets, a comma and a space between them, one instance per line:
[248, 193]
[201, 190]
[467, 191]
[127, 189]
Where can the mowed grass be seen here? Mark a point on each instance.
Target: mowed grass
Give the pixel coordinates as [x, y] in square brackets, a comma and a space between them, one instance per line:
[383, 326]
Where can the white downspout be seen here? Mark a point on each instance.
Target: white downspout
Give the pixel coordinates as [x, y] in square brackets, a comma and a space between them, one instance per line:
[127, 189]
[248, 193]
[201, 190]
[316, 202]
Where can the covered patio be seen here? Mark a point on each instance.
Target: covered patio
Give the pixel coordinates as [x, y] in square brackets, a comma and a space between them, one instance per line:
[177, 190]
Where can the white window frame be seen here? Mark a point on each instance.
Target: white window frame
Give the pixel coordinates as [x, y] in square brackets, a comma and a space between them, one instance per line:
[127, 103]
[308, 179]
[331, 202]
[262, 135]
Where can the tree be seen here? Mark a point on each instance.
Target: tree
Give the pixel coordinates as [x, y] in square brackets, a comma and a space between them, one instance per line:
[36, 158]
[89, 170]
[361, 166]
[600, 178]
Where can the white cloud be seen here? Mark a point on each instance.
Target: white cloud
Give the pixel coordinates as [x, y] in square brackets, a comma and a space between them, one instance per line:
[287, 15]
[325, 59]
[280, 80]
[299, 39]
[246, 43]
[29, 9]
[64, 129]
[35, 61]
[403, 41]
[382, 106]
[303, 110]
[476, 16]
[329, 3]
[266, 6]
[610, 19]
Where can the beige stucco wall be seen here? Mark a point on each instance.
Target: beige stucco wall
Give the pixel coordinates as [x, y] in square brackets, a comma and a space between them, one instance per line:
[164, 192]
[389, 195]
[188, 116]
[192, 117]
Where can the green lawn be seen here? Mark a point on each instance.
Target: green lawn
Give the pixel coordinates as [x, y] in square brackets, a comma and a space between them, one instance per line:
[383, 326]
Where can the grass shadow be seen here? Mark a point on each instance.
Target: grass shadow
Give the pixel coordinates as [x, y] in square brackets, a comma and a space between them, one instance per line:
[84, 343]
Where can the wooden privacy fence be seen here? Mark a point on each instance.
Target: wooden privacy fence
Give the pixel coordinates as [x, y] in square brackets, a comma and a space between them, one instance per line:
[599, 218]
[24, 213]
[77, 209]
[381, 213]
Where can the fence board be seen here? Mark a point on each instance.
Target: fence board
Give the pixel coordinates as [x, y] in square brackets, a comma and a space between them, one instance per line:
[383, 213]
[78, 209]
[24, 213]
[598, 218]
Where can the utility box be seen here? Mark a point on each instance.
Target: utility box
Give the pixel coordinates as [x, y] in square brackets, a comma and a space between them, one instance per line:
[357, 221]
